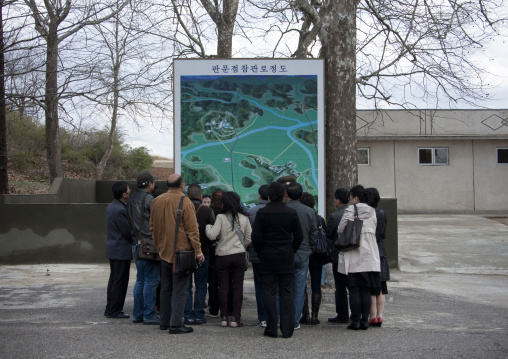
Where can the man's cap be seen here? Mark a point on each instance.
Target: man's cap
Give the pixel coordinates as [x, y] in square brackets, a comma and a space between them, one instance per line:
[286, 180]
[144, 178]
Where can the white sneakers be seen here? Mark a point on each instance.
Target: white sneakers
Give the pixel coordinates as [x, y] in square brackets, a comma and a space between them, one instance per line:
[262, 324]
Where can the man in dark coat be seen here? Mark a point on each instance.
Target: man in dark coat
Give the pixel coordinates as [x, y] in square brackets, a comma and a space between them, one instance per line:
[118, 250]
[276, 236]
[341, 301]
[253, 257]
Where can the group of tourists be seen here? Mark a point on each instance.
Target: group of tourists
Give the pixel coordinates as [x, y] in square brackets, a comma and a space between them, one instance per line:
[278, 236]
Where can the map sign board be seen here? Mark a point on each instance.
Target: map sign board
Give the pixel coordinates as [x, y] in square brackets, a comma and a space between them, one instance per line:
[242, 123]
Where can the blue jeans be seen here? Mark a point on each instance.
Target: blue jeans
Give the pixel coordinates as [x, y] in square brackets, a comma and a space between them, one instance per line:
[200, 280]
[145, 289]
[299, 283]
[258, 286]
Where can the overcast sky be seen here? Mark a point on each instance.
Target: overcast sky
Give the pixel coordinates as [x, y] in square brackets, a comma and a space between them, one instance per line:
[160, 142]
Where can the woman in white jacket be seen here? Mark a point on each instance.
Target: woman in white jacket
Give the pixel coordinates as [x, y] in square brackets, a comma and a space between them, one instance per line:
[361, 265]
[231, 227]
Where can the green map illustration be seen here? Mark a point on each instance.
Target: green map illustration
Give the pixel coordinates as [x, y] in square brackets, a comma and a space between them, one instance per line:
[240, 132]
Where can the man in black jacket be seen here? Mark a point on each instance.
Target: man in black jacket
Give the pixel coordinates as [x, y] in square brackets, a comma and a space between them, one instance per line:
[194, 311]
[341, 301]
[276, 236]
[118, 250]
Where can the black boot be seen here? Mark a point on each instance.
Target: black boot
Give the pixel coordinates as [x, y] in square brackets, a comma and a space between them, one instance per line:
[305, 319]
[316, 302]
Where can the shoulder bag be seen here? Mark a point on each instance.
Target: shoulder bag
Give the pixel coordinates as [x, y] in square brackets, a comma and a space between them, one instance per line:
[323, 252]
[185, 261]
[146, 248]
[350, 238]
[240, 234]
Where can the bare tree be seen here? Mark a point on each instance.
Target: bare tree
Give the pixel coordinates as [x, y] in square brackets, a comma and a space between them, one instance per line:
[52, 23]
[224, 19]
[4, 179]
[390, 53]
[129, 75]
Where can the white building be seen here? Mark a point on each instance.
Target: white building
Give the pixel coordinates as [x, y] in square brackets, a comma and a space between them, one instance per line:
[436, 160]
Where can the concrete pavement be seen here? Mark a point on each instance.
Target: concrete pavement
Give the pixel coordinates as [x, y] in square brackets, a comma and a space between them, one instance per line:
[448, 300]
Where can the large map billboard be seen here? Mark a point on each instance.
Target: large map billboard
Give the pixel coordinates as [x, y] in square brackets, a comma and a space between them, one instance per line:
[242, 123]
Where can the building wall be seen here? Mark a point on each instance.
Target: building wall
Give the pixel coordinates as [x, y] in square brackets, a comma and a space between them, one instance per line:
[473, 181]
[490, 179]
[381, 171]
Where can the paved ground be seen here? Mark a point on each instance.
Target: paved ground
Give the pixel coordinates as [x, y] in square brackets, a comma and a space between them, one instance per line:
[448, 300]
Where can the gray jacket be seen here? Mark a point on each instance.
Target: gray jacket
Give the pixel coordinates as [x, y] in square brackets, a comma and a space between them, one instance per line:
[307, 217]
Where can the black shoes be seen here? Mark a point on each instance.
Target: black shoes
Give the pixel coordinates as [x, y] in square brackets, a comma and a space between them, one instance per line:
[137, 321]
[269, 333]
[338, 320]
[180, 330]
[119, 316]
[354, 326]
[163, 327]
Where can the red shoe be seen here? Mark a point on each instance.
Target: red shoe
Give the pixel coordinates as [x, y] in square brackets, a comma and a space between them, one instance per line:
[379, 321]
[373, 322]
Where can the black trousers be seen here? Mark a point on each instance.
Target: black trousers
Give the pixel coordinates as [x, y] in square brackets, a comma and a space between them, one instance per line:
[117, 286]
[230, 273]
[360, 302]
[286, 305]
[341, 301]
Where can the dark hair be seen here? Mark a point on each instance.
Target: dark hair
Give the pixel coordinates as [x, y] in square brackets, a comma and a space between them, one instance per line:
[194, 191]
[207, 196]
[231, 204]
[263, 192]
[176, 183]
[342, 195]
[216, 201]
[308, 199]
[374, 196]
[359, 191]
[294, 190]
[119, 188]
[276, 192]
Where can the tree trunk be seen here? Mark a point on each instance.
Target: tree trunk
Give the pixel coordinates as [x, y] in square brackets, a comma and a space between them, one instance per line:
[4, 179]
[53, 147]
[114, 118]
[338, 37]
[225, 40]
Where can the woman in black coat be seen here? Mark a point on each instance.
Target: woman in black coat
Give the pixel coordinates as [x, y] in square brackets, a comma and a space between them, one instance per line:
[378, 294]
[276, 236]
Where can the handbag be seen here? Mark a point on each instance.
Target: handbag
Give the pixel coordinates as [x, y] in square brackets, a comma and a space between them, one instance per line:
[185, 261]
[350, 238]
[240, 234]
[323, 251]
[146, 248]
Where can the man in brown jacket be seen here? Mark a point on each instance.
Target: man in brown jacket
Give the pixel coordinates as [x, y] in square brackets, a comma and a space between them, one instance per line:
[162, 225]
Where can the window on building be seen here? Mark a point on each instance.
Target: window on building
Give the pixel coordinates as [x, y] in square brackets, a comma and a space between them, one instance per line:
[433, 156]
[363, 156]
[502, 156]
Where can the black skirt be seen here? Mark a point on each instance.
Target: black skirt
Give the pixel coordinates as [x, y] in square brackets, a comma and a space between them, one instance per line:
[364, 279]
